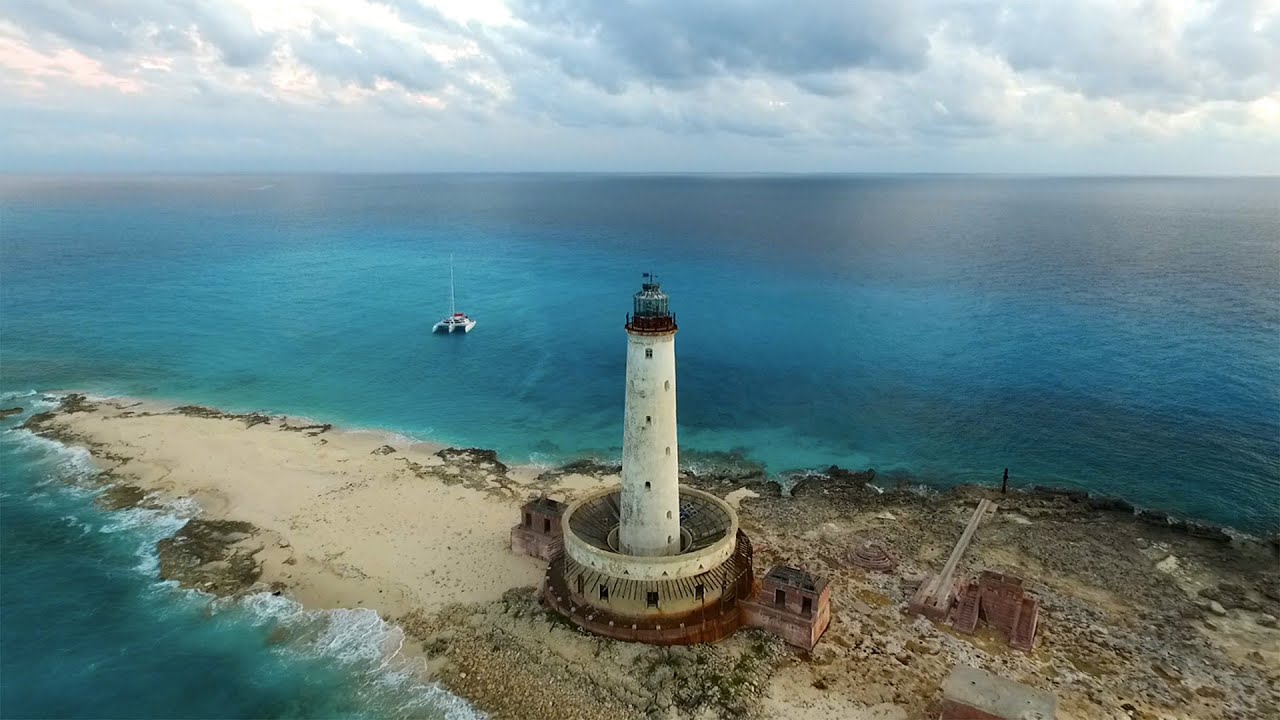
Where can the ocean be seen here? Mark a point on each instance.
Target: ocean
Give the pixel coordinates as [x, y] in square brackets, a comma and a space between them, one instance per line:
[1118, 335]
[87, 631]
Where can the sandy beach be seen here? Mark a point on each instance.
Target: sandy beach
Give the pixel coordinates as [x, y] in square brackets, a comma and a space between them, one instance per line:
[420, 533]
[345, 519]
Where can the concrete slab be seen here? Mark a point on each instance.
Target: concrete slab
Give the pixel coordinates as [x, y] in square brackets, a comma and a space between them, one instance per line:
[973, 694]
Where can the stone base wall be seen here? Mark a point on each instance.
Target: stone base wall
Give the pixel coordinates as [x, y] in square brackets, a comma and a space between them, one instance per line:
[795, 629]
[713, 621]
[534, 544]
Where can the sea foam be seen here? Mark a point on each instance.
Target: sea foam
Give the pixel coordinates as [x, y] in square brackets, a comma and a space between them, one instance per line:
[357, 639]
[65, 462]
[361, 640]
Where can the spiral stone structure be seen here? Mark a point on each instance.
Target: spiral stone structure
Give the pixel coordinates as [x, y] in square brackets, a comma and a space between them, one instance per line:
[873, 555]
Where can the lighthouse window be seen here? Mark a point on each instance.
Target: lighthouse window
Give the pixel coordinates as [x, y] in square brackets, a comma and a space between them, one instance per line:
[604, 592]
[648, 485]
[699, 591]
[668, 450]
[666, 385]
[652, 598]
[648, 352]
[668, 514]
[648, 418]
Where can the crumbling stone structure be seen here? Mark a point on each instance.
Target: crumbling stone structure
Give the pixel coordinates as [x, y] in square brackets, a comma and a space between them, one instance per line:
[936, 594]
[538, 533]
[792, 604]
[1001, 601]
[998, 599]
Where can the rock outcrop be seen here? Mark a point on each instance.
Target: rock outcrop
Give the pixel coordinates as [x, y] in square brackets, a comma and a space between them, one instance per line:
[215, 556]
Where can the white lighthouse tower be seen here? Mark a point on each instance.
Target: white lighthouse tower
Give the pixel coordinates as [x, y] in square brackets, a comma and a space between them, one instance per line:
[627, 564]
[650, 503]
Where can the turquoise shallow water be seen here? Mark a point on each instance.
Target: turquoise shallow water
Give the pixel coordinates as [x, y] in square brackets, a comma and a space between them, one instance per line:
[1119, 335]
[88, 632]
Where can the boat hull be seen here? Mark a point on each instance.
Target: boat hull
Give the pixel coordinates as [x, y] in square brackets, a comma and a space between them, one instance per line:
[444, 327]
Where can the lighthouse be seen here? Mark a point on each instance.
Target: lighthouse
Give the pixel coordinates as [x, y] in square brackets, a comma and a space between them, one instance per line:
[646, 559]
[650, 503]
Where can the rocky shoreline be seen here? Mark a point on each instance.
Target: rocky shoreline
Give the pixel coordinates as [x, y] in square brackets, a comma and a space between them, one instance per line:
[211, 555]
[1144, 615]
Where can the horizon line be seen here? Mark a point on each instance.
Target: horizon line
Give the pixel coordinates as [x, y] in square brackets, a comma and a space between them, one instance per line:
[637, 173]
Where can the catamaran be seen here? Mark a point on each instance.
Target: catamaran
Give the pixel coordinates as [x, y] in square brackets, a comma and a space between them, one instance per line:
[456, 320]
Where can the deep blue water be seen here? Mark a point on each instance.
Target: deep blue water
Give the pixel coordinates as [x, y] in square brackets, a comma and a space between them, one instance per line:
[1119, 335]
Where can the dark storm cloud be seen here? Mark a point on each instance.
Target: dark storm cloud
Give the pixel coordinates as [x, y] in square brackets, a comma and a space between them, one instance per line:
[678, 44]
[114, 25]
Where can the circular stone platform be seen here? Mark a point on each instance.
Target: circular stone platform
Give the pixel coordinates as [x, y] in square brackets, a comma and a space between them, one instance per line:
[683, 598]
[872, 555]
[707, 527]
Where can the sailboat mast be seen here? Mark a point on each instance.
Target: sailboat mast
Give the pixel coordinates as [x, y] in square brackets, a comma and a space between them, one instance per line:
[452, 310]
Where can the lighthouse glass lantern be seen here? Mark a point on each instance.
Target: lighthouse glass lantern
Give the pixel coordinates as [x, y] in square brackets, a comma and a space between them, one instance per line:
[651, 308]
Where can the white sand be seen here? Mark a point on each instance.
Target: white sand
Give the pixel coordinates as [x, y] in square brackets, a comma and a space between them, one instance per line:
[362, 529]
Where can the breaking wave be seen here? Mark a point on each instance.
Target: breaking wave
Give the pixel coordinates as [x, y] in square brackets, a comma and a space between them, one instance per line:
[386, 682]
[365, 644]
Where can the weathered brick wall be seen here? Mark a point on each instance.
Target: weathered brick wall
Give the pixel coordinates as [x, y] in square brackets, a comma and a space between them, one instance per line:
[794, 628]
[1001, 600]
[534, 544]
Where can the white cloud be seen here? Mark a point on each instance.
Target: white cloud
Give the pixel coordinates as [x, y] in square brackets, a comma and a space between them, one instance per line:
[1164, 85]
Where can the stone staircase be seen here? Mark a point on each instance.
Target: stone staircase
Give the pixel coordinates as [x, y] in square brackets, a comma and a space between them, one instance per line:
[965, 617]
[1024, 631]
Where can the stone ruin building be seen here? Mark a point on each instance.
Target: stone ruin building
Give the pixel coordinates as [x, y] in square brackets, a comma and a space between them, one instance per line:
[997, 599]
[538, 533]
[791, 604]
[1000, 601]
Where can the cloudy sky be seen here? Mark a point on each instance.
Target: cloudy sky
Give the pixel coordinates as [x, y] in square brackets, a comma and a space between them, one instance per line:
[1078, 86]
